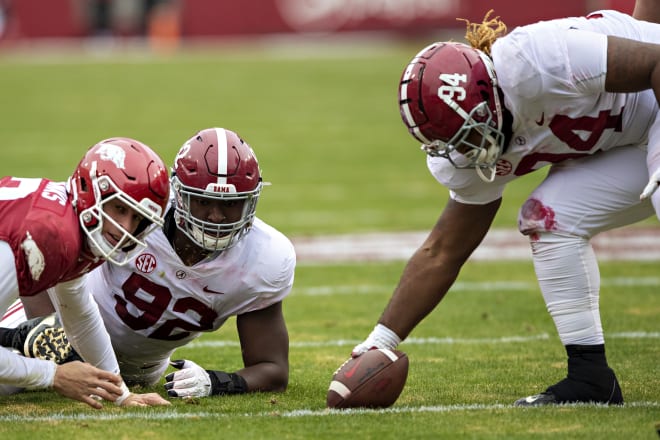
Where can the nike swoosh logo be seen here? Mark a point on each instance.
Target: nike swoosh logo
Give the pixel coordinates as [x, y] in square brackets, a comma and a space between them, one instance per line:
[352, 371]
[207, 290]
[540, 121]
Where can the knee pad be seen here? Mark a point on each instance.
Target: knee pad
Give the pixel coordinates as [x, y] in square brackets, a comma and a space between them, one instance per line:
[568, 275]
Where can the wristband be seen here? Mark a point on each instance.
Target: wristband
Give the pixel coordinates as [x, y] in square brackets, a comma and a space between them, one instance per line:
[384, 337]
[226, 383]
[125, 393]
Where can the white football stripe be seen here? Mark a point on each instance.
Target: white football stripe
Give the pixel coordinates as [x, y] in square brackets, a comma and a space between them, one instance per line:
[406, 109]
[389, 353]
[222, 155]
[632, 244]
[340, 389]
[168, 414]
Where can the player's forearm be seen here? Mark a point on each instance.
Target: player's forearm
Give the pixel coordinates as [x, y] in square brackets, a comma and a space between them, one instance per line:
[266, 376]
[433, 268]
[25, 372]
[83, 325]
[647, 10]
[423, 285]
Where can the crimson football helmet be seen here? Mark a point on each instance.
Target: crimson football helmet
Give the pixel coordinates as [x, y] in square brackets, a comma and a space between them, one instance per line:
[448, 90]
[119, 169]
[215, 164]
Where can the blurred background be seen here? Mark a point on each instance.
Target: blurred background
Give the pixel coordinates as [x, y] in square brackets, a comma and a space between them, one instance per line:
[171, 20]
[311, 85]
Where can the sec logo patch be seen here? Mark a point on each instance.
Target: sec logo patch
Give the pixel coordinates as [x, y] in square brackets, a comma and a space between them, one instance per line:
[145, 263]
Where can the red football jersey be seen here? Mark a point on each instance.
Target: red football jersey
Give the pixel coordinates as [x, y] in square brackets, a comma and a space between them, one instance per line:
[42, 228]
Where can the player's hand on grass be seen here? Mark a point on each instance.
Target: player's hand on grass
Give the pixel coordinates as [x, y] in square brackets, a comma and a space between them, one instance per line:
[191, 381]
[81, 381]
[148, 399]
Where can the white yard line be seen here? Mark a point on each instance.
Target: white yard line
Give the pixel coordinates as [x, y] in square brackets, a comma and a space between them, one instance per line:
[298, 413]
[463, 286]
[409, 341]
[634, 243]
[428, 341]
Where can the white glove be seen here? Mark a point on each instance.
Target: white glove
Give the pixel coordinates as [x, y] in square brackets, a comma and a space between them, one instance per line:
[380, 337]
[191, 381]
[650, 187]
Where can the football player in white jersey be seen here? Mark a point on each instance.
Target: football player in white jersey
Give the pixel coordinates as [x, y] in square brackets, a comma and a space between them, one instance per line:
[212, 259]
[52, 234]
[578, 94]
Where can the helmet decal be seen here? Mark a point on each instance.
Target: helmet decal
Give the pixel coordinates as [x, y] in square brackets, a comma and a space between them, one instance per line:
[113, 153]
[124, 170]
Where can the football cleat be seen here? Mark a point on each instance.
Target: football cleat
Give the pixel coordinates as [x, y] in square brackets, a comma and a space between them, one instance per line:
[45, 339]
[546, 398]
[575, 392]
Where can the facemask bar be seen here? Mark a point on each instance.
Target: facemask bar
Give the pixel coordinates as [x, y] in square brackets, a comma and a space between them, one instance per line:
[117, 254]
[482, 156]
[208, 235]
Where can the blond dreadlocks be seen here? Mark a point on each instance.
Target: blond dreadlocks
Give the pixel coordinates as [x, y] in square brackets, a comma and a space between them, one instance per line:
[482, 35]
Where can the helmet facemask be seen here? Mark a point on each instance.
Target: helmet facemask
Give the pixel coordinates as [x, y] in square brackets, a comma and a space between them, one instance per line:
[462, 152]
[92, 220]
[215, 167]
[212, 236]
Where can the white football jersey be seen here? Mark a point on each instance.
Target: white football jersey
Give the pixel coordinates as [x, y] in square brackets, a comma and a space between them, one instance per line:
[552, 74]
[156, 303]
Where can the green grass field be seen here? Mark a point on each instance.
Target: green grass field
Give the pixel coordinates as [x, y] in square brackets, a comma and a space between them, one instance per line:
[326, 128]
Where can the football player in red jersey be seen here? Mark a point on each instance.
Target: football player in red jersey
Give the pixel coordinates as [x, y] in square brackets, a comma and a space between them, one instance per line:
[52, 234]
[579, 94]
[211, 260]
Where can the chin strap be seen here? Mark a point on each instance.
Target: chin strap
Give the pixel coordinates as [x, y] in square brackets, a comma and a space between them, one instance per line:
[482, 176]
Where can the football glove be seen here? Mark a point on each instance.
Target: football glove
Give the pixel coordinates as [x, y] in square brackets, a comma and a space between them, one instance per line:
[380, 337]
[191, 381]
[194, 381]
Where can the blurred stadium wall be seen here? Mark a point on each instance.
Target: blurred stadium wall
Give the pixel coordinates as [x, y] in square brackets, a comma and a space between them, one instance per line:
[28, 20]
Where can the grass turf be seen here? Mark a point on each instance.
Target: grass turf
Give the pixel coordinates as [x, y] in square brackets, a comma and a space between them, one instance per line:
[326, 129]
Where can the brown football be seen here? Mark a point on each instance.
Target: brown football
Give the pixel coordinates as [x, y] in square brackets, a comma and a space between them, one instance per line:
[374, 379]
